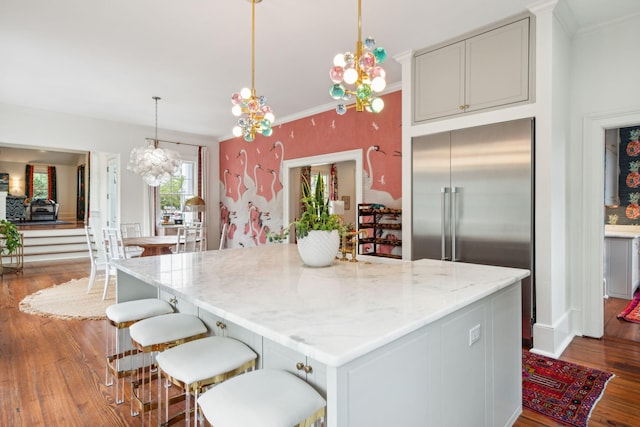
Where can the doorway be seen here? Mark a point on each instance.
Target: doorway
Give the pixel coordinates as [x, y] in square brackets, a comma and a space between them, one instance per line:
[591, 266]
[291, 170]
[112, 192]
[621, 188]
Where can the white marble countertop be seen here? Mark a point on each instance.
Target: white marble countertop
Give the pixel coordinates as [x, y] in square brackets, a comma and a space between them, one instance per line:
[332, 314]
[622, 231]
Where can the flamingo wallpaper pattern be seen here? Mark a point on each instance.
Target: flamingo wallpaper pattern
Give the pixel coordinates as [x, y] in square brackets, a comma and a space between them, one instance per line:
[250, 173]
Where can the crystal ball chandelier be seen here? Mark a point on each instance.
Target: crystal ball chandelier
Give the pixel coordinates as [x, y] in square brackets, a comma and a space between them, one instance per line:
[359, 74]
[254, 115]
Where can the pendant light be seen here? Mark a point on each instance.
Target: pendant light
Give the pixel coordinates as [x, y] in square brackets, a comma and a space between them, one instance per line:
[254, 115]
[155, 165]
[359, 74]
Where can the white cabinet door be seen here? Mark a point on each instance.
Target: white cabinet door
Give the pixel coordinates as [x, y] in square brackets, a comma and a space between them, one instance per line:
[497, 67]
[276, 356]
[485, 71]
[439, 82]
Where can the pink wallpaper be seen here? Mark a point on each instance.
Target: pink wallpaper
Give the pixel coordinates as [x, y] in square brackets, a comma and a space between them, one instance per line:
[250, 185]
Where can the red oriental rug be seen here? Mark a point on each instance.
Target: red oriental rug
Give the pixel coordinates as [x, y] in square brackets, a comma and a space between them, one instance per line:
[563, 391]
[632, 312]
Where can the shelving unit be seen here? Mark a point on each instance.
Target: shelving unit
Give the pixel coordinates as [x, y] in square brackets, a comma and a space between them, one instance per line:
[383, 226]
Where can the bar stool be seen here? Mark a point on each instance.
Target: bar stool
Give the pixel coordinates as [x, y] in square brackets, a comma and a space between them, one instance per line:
[154, 335]
[265, 398]
[119, 363]
[196, 365]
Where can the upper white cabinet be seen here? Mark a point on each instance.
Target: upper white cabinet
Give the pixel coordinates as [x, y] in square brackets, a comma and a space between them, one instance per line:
[485, 71]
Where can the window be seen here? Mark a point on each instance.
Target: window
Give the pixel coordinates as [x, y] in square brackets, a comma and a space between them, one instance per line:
[179, 188]
[314, 180]
[40, 185]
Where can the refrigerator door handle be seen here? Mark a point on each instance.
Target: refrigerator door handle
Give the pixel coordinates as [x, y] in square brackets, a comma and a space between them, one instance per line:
[443, 222]
[454, 222]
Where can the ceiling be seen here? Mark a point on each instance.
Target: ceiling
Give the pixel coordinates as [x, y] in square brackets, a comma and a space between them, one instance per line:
[107, 59]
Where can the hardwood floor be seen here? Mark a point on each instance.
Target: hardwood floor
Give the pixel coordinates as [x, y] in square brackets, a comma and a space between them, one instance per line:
[52, 371]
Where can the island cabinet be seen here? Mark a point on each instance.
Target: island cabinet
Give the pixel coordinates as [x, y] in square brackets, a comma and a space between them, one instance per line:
[488, 70]
[411, 343]
[276, 356]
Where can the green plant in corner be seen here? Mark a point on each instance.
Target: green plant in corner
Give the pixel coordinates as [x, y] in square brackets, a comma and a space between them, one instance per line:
[9, 237]
[315, 215]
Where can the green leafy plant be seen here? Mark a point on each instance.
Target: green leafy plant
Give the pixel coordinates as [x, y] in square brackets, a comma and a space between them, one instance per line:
[315, 215]
[9, 237]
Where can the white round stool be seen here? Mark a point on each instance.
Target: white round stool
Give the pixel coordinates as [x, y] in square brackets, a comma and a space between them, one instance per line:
[265, 398]
[196, 365]
[119, 363]
[158, 334]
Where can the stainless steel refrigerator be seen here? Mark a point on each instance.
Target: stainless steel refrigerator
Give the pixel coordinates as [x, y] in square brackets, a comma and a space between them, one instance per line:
[473, 200]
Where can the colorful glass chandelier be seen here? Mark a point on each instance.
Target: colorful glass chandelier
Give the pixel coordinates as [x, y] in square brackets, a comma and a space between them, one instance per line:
[254, 115]
[155, 165]
[359, 74]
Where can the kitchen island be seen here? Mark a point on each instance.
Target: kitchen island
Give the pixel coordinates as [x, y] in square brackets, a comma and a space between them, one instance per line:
[424, 342]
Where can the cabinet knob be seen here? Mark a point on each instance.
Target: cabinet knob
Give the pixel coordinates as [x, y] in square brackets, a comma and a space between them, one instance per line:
[461, 107]
[300, 366]
[308, 369]
[221, 325]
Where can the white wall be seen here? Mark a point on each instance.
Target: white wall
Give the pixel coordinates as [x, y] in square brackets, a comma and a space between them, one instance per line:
[604, 93]
[38, 128]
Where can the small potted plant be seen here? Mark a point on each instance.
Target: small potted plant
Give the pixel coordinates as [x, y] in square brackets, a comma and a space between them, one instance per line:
[317, 230]
[10, 239]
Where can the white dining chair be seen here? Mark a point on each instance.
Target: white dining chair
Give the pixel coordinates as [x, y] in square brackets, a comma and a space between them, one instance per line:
[97, 256]
[132, 229]
[223, 236]
[189, 240]
[114, 249]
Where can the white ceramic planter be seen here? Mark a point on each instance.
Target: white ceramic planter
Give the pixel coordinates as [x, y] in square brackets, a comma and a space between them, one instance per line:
[319, 248]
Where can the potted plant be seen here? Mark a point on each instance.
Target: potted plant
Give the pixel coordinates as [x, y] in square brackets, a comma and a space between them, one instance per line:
[317, 231]
[9, 238]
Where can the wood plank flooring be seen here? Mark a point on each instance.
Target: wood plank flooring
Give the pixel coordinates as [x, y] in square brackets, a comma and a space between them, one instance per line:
[52, 371]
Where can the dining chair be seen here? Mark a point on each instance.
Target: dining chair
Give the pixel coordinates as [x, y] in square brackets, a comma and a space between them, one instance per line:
[223, 236]
[189, 240]
[97, 256]
[114, 249]
[132, 229]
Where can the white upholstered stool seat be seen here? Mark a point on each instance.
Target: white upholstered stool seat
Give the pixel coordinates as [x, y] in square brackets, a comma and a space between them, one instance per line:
[158, 334]
[121, 316]
[199, 364]
[132, 311]
[265, 398]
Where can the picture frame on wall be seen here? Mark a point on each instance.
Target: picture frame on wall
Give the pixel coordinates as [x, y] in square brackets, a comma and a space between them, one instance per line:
[4, 181]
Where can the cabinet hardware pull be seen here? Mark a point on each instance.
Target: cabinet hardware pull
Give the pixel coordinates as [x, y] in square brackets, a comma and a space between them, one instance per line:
[221, 325]
[308, 369]
[300, 366]
[461, 107]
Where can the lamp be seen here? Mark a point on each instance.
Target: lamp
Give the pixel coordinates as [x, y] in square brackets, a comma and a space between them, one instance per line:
[195, 204]
[155, 165]
[253, 112]
[359, 74]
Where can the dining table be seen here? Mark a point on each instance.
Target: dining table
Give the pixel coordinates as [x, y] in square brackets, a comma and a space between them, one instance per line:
[152, 245]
